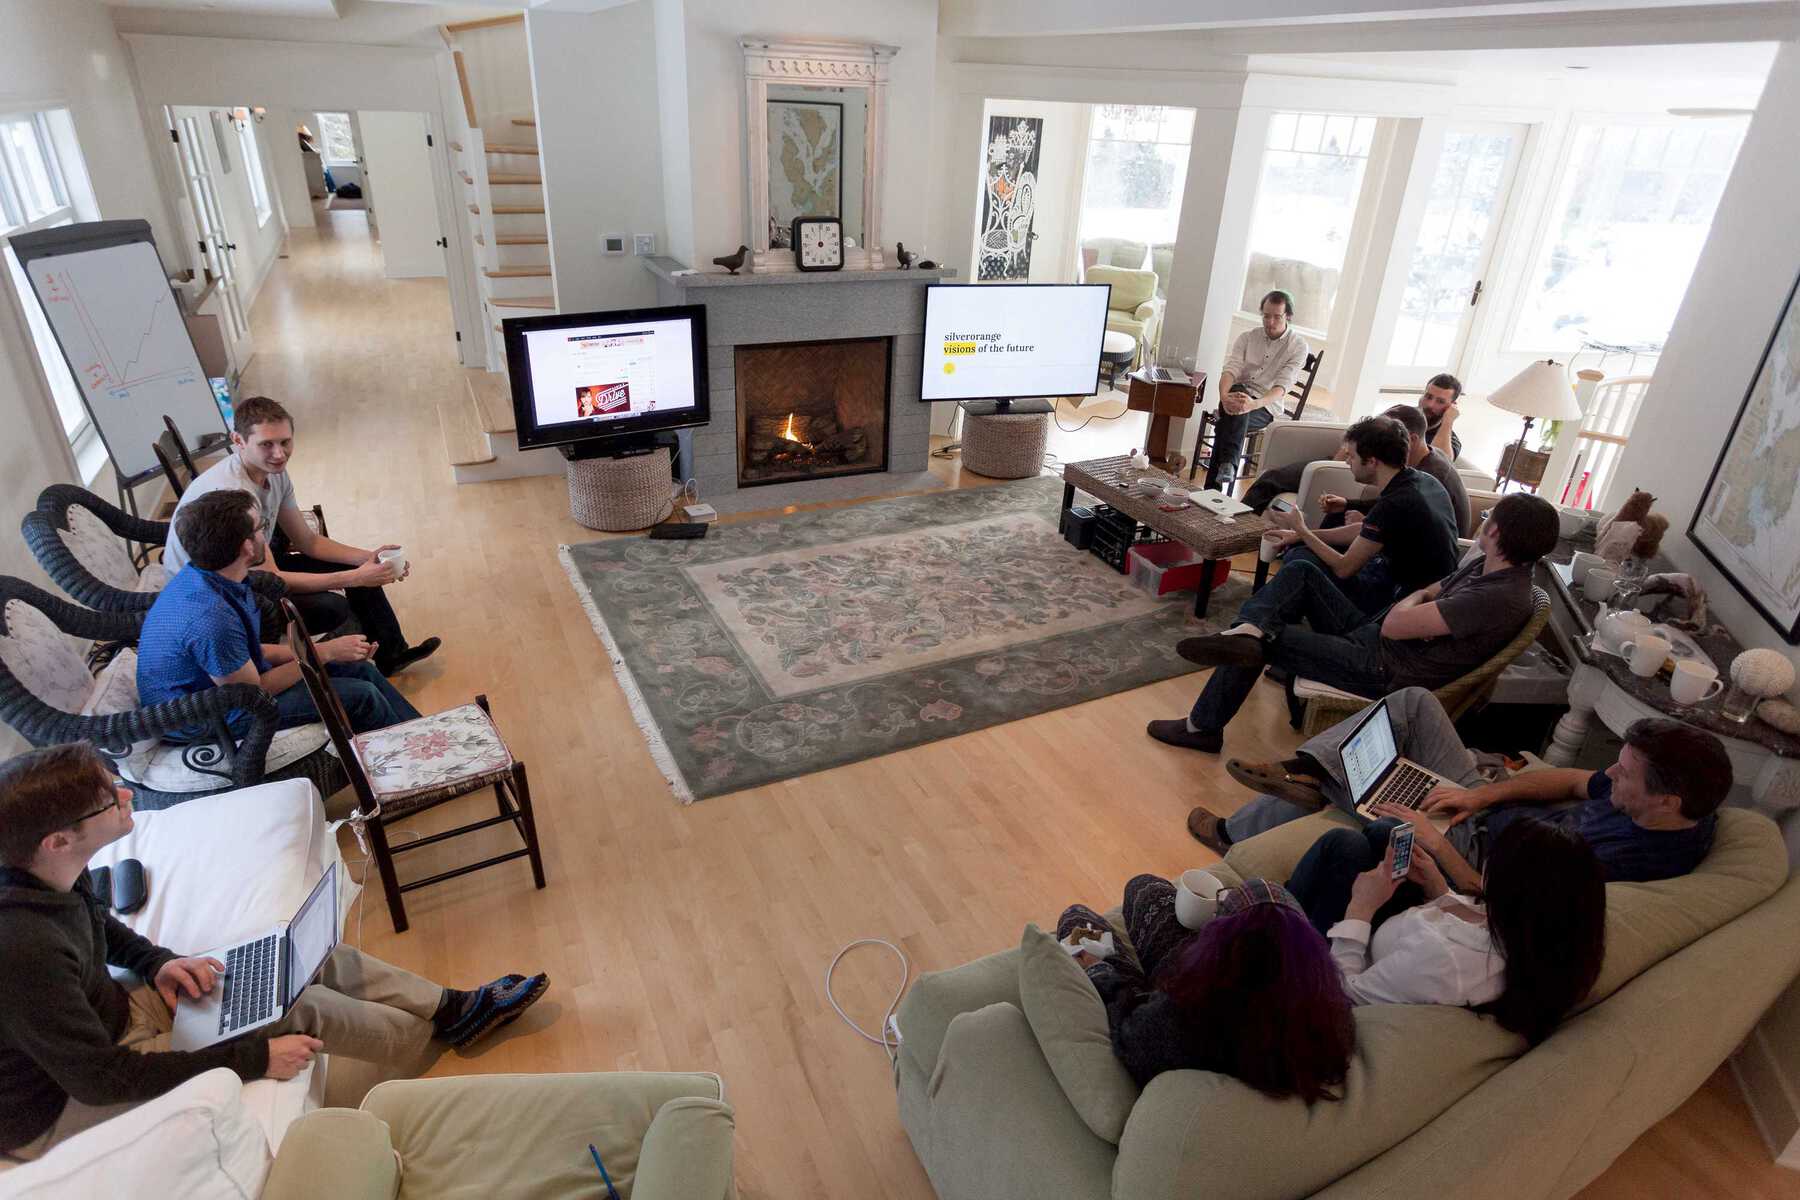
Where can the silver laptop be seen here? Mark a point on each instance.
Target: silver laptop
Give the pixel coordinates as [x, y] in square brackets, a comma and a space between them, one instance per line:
[264, 974]
[1377, 774]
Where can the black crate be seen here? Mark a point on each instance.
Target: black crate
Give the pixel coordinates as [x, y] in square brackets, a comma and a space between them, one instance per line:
[1110, 549]
[1121, 524]
[1077, 526]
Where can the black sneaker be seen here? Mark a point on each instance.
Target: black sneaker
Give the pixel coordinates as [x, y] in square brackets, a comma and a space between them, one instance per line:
[407, 657]
[1222, 650]
[1176, 733]
[497, 1005]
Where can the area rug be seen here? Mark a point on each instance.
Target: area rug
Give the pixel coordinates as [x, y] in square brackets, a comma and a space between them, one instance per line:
[777, 648]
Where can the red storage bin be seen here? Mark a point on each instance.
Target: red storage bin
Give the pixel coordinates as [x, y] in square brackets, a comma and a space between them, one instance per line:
[1163, 567]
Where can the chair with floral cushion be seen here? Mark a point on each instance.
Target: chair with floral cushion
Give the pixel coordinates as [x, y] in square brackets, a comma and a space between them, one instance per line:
[48, 695]
[407, 768]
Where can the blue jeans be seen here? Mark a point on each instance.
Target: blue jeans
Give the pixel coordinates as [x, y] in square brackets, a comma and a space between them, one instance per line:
[1342, 649]
[370, 701]
[1229, 433]
[1371, 589]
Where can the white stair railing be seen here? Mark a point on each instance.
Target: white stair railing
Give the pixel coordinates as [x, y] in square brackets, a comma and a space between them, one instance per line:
[1602, 439]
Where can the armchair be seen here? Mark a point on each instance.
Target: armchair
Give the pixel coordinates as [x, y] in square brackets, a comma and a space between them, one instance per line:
[84, 545]
[48, 696]
[1134, 307]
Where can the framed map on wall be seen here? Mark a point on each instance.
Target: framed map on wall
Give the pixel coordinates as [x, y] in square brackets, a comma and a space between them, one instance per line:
[806, 164]
[1748, 519]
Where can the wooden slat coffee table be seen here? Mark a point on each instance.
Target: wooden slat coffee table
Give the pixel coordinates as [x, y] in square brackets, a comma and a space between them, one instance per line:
[1216, 538]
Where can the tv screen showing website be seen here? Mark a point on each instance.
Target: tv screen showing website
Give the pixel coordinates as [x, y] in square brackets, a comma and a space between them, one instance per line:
[596, 375]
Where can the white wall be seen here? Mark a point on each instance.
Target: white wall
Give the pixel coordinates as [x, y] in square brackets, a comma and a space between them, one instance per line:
[258, 245]
[283, 150]
[600, 142]
[497, 63]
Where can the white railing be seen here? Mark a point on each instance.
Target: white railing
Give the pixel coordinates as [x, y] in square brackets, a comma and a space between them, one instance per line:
[1612, 411]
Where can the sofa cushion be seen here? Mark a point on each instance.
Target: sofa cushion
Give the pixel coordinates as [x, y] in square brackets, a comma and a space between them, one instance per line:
[195, 1142]
[1130, 288]
[938, 997]
[342, 1153]
[1069, 1022]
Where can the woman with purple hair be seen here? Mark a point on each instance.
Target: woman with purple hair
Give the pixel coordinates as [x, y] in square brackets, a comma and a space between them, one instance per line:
[1254, 994]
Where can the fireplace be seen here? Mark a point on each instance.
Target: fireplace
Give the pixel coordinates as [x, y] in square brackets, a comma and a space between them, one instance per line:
[810, 410]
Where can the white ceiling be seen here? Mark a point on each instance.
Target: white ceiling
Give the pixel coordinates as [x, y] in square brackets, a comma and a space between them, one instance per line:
[1731, 61]
[261, 8]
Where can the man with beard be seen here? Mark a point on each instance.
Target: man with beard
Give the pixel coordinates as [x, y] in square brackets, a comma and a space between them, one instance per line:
[1438, 403]
[204, 631]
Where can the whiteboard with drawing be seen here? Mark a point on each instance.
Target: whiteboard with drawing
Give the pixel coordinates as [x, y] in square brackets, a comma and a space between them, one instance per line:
[101, 285]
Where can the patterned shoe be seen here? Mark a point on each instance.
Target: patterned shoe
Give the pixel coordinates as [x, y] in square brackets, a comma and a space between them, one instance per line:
[497, 1005]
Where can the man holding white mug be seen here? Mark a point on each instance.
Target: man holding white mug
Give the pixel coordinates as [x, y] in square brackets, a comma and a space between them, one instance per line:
[311, 565]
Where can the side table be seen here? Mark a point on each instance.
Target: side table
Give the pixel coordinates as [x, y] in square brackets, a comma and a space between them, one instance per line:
[1005, 445]
[618, 494]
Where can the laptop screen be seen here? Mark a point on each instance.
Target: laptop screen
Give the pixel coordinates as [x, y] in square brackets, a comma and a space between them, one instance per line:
[313, 933]
[1368, 752]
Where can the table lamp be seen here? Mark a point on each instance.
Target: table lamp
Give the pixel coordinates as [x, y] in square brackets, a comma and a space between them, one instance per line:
[1541, 390]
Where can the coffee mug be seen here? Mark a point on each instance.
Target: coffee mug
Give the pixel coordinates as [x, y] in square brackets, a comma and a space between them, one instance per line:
[1581, 564]
[395, 559]
[1197, 898]
[1694, 681]
[1599, 584]
[1616, 625]
[1270, 548]
[1646, 654]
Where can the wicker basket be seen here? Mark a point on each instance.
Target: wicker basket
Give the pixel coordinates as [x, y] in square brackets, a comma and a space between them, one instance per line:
[617, 494]
[1005, 445]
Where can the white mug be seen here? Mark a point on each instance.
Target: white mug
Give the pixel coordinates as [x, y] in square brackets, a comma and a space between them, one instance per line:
[395, 559]
[1197, 898]
[1694, 681]
[1599, 584]
[1270, 547]
[1581, 564]
[1615, 625]
[1646, 653]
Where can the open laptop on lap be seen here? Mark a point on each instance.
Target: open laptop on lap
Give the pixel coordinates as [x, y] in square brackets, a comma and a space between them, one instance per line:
[265, 973]
[1375, 772]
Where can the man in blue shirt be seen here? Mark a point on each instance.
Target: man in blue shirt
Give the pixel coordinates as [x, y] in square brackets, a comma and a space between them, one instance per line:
[204, 631]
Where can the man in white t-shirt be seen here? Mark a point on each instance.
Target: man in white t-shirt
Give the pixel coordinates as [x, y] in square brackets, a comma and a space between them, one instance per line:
[311, 565]
[1263, 366]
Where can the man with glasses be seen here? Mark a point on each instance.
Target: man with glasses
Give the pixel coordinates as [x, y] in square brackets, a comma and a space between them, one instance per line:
[1262, 368]
[77, 1047]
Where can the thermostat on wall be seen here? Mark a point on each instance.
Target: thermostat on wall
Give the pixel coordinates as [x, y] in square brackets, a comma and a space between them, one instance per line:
[613, 243]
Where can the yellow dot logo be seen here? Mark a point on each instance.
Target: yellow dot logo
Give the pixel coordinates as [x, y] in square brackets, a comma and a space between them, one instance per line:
[949, 368]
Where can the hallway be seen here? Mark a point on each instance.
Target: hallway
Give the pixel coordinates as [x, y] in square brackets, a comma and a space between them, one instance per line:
[697, 938]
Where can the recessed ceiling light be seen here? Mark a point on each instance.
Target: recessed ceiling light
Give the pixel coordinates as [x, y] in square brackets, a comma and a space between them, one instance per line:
[1574, 67]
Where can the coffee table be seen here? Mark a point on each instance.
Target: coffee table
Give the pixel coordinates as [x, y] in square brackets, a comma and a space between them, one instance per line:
[1216, 538]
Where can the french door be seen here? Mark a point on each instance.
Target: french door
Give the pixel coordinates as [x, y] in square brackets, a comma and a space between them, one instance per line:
[1448, 272]
[193, 156]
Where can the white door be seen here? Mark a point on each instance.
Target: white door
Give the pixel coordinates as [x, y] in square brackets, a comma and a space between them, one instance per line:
[398, 160]
[215, 238]
[1448, 273]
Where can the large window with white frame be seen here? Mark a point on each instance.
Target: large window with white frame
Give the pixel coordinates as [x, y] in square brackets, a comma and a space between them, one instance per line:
[335, 137]
[1623, 233]
[1306, 200]
[35, 194]
[1136, 170]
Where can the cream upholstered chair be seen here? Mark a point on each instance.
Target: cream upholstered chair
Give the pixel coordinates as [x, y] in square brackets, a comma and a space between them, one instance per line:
[1133, 307]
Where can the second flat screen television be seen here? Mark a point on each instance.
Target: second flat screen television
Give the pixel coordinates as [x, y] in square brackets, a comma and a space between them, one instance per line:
[1009, 341]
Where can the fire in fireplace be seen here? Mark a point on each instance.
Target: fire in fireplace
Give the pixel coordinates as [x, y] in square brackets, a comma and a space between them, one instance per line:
[812, 409]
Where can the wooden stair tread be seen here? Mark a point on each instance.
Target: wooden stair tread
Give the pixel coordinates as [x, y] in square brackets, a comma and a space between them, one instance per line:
[521, 239]
[522, 301]
[512, 148]
[532, 121]
[491, 393]
[516, 272]
[512, 178]
[464, 443]
[515, 209]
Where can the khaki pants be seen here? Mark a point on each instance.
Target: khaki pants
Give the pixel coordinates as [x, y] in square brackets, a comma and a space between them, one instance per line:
[361, 1008]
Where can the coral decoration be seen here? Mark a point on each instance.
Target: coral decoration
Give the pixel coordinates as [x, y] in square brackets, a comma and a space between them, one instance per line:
[1763, 672]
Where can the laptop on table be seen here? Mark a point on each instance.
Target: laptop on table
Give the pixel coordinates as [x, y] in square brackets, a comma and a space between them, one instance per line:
[264, 974]
[1376, 773]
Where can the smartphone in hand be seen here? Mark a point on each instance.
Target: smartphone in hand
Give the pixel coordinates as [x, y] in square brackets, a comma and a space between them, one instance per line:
[1402, 843]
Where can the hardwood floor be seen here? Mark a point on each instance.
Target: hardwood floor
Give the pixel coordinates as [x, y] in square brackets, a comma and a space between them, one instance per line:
[697, 937]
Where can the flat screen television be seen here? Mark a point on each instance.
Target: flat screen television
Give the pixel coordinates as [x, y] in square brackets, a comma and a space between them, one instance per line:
[1008, 341]
[585, 377]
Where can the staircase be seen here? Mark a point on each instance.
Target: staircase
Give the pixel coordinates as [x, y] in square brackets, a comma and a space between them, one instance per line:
[496, 159]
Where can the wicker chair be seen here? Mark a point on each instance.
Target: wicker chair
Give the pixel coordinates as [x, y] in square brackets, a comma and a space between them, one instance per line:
[49, 696]
[1326, 706]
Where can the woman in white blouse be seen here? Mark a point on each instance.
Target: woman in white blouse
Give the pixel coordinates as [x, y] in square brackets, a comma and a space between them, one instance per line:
[1525, 950]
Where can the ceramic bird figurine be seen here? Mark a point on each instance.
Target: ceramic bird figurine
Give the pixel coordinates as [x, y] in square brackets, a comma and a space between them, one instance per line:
[731, 262]
[904, 255]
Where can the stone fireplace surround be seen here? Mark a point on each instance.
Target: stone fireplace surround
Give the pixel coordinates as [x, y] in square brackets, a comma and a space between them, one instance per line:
[750, 310]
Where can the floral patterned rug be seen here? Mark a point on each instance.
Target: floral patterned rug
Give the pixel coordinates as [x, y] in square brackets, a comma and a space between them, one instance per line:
[782, 647]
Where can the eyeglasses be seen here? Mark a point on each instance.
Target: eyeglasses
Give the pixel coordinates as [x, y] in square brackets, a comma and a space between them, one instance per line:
[105, 808]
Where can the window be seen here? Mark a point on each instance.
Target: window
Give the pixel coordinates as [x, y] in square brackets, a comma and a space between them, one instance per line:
[1629, 218]
[34, 194]
[253, 168]
[1312, 175]
[335, 139]
[1137, 159]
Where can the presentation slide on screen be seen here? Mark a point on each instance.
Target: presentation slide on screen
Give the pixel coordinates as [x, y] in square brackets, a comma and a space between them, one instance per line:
[997, 340]
[605, 373]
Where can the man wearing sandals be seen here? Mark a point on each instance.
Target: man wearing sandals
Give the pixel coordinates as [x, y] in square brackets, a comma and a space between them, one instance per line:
[77, 1047]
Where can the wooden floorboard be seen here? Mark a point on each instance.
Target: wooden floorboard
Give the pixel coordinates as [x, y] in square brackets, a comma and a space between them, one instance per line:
[697, 938]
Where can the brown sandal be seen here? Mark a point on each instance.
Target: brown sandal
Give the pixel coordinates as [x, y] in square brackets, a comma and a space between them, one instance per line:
[1275, 780]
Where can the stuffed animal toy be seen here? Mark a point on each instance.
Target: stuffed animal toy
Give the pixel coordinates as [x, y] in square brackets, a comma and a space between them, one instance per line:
[1619, 533]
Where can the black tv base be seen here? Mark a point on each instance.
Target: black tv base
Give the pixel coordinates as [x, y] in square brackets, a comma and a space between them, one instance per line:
[993, 408]
[629, 445]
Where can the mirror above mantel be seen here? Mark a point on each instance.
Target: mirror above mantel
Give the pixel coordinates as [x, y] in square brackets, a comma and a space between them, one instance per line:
[816, 119]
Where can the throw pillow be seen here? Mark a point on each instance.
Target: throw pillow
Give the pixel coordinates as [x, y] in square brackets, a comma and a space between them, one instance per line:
[1069, 1022]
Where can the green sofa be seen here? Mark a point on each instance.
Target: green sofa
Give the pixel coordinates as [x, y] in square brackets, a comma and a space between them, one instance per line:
[1133, 307]
[1439, 1101]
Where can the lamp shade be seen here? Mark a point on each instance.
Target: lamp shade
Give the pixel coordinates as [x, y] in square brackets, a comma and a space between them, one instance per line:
[1541, 391]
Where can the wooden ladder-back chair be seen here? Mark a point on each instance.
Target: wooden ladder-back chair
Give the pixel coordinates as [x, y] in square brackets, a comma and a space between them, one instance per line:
[1253, 442]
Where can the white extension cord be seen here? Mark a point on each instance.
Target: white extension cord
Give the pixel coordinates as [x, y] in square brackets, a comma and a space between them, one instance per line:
[891, 1045]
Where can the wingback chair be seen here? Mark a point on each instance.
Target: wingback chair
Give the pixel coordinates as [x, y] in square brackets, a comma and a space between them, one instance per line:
[1133, 307]
[48, 695]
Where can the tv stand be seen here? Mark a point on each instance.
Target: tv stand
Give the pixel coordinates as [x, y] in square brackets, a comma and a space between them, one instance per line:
[997, 408]
[626, 445]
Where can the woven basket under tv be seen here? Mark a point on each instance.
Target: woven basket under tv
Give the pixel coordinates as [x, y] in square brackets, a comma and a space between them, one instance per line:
[619, 494]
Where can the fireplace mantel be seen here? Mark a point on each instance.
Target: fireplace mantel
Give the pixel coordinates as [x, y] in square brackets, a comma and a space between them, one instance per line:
[666, 270]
